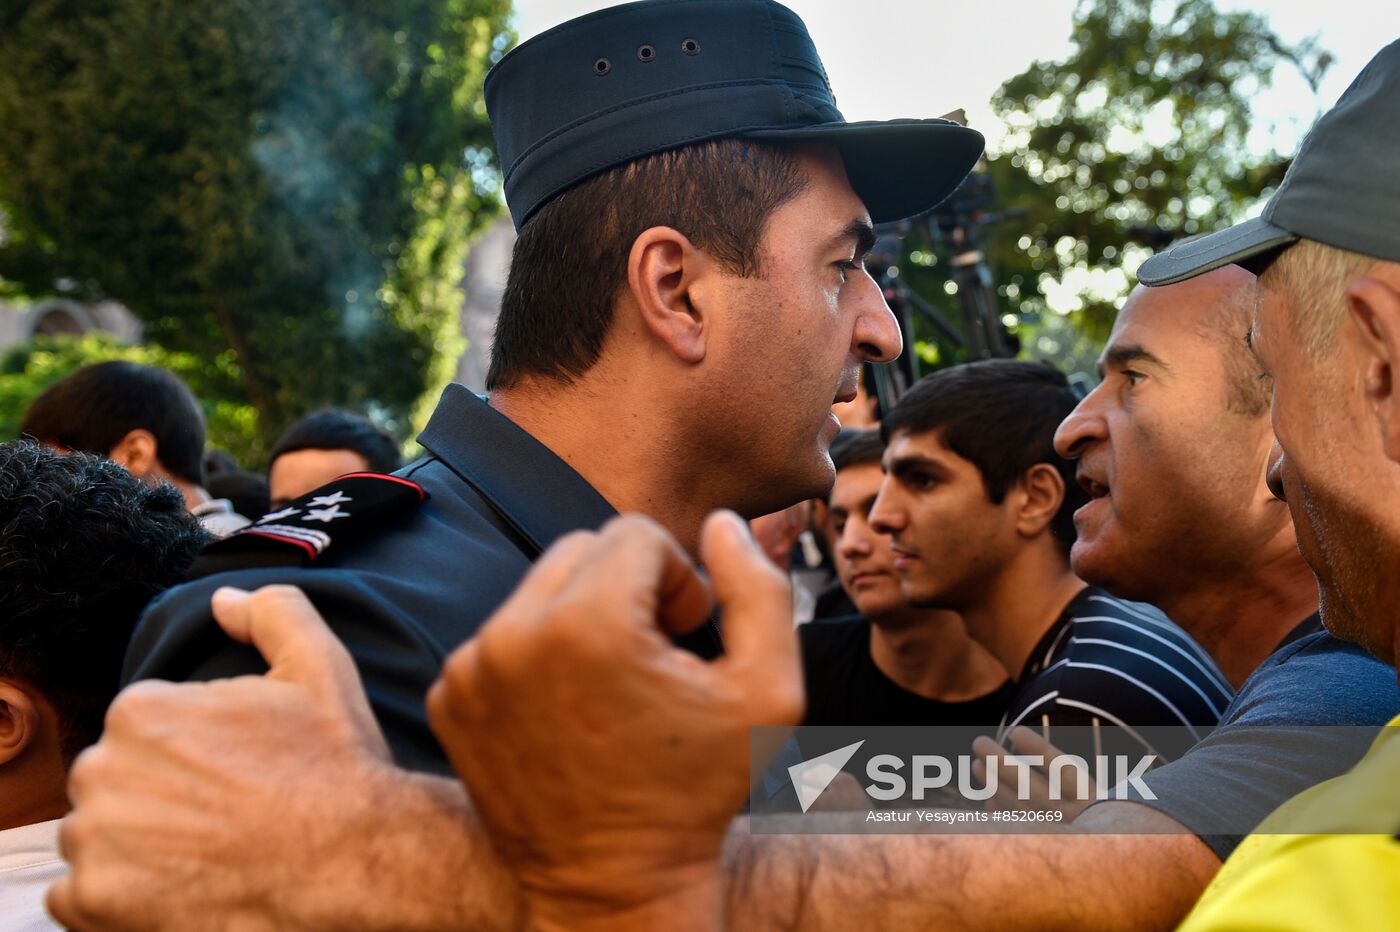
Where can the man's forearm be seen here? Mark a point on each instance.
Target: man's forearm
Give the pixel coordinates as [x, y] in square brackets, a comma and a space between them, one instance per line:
[862, 881]
[950, 882]
[414, 857]
[692, 904]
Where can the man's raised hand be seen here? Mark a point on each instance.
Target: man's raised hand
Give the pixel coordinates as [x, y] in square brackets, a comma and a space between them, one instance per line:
[605, 762]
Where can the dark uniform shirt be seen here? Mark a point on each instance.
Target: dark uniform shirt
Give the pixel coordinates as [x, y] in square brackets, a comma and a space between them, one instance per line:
[401, 600]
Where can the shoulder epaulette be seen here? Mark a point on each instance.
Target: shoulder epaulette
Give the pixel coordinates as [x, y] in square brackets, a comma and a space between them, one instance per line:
[349, 507]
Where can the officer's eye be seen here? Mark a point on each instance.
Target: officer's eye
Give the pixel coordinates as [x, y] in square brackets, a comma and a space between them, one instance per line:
[850, 266]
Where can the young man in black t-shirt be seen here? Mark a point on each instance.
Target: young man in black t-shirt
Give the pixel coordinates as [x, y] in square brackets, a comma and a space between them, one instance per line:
[894, 663]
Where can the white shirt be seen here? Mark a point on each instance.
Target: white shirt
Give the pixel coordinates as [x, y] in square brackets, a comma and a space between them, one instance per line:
[219, 518]
[29, 864]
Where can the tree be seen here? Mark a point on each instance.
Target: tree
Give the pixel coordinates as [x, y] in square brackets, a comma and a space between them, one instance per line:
[286, 184]
[1138, 138]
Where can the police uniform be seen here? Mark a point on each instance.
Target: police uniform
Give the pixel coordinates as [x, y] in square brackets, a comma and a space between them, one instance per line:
[405, 591]
[405, 581]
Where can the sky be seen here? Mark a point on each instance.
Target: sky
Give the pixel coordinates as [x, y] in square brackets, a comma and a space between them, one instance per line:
[920, 58]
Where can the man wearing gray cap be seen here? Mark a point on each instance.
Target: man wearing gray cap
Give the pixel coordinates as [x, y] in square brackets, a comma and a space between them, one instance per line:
[1327, 329]
[693, 213]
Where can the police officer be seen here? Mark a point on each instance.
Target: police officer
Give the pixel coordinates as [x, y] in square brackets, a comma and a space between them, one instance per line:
[686, 301]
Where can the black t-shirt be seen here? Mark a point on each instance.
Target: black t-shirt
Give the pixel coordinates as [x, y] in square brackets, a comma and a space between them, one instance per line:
[845, 687]
[851, 698]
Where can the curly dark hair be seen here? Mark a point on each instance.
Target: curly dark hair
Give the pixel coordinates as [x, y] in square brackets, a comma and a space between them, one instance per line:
[84, 546]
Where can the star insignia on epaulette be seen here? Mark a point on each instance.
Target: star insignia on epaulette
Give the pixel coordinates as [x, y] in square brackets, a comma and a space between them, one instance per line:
[301, 532]
[325, 515]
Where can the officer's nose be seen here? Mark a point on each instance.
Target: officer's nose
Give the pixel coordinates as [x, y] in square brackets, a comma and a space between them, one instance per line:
[876, 336]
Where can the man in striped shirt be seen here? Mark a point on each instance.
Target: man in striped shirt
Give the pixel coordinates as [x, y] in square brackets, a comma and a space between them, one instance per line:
[980, 508]
[1107, 663]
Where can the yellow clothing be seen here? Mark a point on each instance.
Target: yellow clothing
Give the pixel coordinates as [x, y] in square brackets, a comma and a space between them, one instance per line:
[1278, 881]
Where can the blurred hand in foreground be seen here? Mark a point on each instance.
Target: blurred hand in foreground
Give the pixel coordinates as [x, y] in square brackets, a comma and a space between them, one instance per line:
[605, 762]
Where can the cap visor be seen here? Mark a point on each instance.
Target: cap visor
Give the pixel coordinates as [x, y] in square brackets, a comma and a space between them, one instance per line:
[1234, 245]
[899, 167]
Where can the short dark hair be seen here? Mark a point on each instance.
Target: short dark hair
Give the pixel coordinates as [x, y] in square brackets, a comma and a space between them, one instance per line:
[855, 446]
[84, 546]
[334, 429]
[570, 259]
[1000, 415]
[95, 407]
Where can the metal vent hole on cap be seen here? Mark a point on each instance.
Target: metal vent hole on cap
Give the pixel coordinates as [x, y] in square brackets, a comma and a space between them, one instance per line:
[646, 53]
[690, 47]
[601, 67]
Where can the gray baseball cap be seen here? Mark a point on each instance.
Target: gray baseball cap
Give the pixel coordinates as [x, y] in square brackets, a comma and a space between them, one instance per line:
[629, 81]
[1343, 189]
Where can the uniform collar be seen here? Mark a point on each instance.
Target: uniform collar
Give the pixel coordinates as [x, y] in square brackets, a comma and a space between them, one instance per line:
[538, 493]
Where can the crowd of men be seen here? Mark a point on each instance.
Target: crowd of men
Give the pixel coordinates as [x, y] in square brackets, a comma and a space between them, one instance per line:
[516, 682]
[148, 421]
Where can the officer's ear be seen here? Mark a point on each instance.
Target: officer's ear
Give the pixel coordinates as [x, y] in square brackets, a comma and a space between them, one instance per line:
[666, 277]
[1373, 304]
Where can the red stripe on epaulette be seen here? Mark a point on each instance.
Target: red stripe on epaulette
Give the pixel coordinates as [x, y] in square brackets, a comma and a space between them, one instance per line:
[310, 550]
[353, 506]
[422, 495]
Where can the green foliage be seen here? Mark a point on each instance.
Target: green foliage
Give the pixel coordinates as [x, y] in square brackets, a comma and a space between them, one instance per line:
[26, 369]
[1138, 138]
[283, 190]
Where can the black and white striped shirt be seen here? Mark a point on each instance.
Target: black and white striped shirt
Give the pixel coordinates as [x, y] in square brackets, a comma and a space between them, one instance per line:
[1123, 666]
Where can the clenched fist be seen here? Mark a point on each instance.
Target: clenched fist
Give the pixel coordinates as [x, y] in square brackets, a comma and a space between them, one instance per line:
[606, 764]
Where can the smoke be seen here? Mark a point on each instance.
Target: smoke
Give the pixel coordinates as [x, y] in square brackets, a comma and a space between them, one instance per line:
[321, 154]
